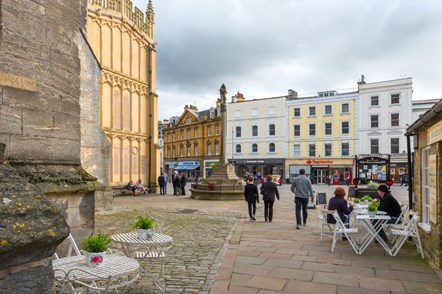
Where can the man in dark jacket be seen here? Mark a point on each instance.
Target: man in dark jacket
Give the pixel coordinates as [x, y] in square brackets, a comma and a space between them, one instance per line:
[183, 182]
[269, 192]
[251, 196]
[390, 205]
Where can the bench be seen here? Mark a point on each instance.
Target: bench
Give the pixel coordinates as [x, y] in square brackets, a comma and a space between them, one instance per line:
[121, 191]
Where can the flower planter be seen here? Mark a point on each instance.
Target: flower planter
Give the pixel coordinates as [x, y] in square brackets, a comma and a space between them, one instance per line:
[372, 213]
[144, 234]
[95, 259]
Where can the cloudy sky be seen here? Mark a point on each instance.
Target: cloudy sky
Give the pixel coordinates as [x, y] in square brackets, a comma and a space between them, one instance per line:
[262, 48]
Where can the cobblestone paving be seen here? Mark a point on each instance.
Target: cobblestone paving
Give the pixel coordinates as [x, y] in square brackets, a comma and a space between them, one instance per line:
[199, 245]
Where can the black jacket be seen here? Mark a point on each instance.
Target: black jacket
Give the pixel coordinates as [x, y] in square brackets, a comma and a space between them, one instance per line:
[251, 193]
[269, 191]
[390, 205]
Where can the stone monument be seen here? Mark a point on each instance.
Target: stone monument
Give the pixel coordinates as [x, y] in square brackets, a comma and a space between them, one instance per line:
[223, 183]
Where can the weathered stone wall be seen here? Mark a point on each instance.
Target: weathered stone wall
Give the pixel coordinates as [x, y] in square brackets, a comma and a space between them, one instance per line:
[40, 114]
[432, 241]
[95, 148]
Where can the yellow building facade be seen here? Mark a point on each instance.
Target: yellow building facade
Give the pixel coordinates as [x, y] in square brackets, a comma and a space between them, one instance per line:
[321, 136]
[192, 141]
[122, 39]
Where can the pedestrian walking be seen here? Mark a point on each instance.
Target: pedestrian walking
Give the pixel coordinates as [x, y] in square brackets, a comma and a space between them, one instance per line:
[302, 188]
[176, 183]
[183, 182]
[251, 196]
[166, 178]
[404, 180]
[162, 184]
[269, 192]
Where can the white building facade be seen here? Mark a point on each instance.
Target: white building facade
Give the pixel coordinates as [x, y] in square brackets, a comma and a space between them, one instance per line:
[385, 110]
[256, 135]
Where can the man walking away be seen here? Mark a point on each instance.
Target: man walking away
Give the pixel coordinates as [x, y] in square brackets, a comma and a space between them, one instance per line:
[302, 188]
[161, 183]
[176, 183]
[183, 182]
[251, 197]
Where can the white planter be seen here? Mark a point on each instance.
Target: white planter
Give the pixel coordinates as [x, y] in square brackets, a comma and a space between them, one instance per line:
[95, 259]
[372, 212]
[144, 234]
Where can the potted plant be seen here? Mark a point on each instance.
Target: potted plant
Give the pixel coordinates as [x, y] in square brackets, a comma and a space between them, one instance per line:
[372, 208]
[95, 247]
[144, 226]
[372, 186]
[356, 200]
[366, 199]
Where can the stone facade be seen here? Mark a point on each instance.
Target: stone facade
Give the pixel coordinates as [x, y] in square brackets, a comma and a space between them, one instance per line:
[41, 82]
[195, 136]
[122, 39]
[426, 181]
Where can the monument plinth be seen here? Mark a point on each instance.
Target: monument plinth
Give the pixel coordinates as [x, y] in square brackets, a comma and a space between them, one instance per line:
[223, 184]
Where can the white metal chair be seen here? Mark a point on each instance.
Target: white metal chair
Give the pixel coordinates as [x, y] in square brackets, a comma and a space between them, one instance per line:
[71, 247]
[342, 230]
[402, 234]
[323, 218]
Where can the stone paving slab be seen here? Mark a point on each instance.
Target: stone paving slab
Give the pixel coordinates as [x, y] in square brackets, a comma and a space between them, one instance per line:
[217, 250]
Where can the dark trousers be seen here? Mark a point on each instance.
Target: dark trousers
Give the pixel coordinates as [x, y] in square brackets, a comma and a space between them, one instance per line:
[381, 232]
[252, 209]
[183, 191]
[301, 203]
[162, 189]
[268, 210]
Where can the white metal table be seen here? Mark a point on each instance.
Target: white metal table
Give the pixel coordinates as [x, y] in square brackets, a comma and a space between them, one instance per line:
[151, 249]
[72, 275]
[370, 227]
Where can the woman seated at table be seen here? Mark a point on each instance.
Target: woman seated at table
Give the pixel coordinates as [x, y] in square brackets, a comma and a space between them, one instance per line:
[339, 204]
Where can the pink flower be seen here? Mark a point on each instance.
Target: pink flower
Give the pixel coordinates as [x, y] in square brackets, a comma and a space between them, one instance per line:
[96, 259]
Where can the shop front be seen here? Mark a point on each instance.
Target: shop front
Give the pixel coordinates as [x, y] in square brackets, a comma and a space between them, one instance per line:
[189, 168]
[208, 165]
[333, 171]
[258, 167]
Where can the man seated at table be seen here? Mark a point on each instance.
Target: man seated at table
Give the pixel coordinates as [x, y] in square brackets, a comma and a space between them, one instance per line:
[390, 205]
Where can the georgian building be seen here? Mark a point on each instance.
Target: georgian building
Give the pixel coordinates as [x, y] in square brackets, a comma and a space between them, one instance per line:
[321, 136]
[256, 135]
[122, 39]
[385, 111]
[192, 141]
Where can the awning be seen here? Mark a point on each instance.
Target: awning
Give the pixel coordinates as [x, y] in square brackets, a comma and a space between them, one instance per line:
[192, 167]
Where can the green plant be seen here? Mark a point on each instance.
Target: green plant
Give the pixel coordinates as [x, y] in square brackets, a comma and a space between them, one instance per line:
[144, 222]
[356, 200]
[366, 198]
[96, 243]
[372, 186]
[373, 206]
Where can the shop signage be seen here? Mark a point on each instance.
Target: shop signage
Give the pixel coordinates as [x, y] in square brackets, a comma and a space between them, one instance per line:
[435, 133]
[319, 161]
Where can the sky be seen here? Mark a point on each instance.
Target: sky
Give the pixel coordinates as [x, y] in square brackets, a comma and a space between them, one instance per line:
[262, 48]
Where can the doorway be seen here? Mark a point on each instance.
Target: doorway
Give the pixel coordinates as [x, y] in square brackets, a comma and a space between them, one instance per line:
[321, 176]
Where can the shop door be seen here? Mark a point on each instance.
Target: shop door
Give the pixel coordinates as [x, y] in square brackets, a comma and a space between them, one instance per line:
[322, 176]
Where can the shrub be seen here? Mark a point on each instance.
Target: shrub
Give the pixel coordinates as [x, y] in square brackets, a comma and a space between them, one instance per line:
[373, 206]
[372, 186]
[96, 243]
[366, 198]
[144, 222]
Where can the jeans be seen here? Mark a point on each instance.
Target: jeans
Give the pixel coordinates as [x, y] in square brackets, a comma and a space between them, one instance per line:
[301, 203]
[268, 210]
[252, 209]
[381, 232]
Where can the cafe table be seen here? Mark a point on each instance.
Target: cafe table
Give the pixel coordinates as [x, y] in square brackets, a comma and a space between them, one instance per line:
[148, 250]
[72, 275]
[369, 226]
